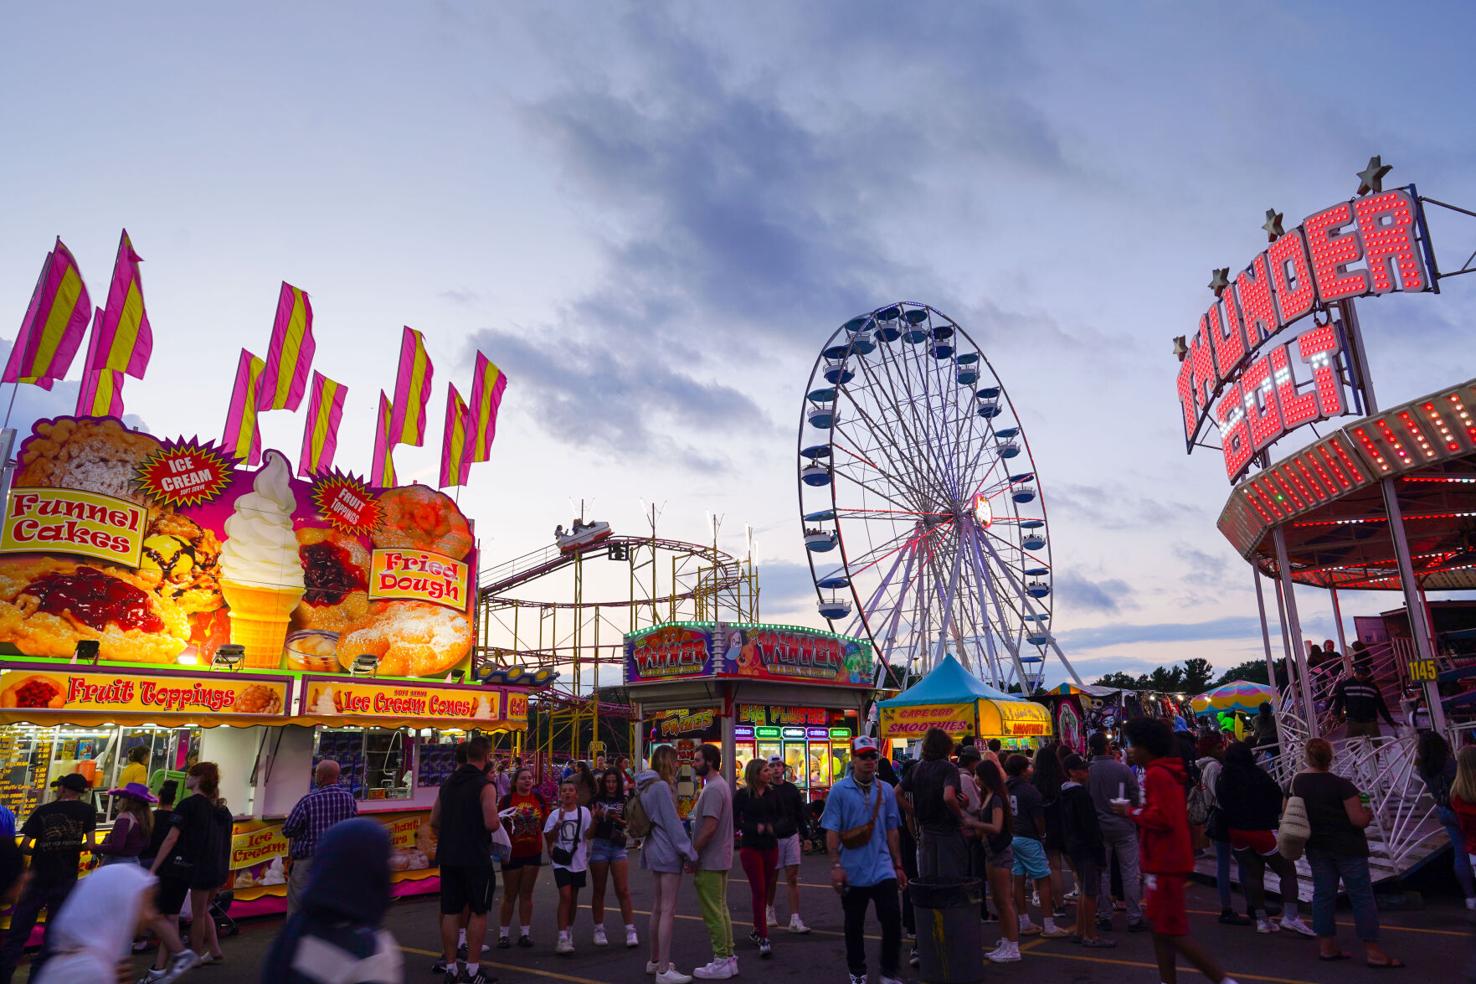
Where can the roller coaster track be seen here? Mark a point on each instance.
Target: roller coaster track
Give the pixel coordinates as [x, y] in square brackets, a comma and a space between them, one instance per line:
[495, 582]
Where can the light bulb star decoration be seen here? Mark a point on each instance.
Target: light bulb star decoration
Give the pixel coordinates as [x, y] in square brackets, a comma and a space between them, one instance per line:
[1219, 280]
[1371, 178]
[1272, 225]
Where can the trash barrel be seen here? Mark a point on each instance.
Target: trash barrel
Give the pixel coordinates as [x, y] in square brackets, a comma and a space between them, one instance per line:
[950, 937]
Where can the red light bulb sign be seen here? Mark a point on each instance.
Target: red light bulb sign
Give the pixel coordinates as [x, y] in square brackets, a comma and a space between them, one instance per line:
[1257, 395]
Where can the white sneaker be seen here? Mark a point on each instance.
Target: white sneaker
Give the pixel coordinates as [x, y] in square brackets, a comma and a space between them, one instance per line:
[600, 938]
[1006, 952]
[631, 939]
[769, 916]
[565, 945]
[1296, 925]
[673, 976]
[651, 967]
[733, 965]
[797, 925]
[715, 970]
[1264, 925]
[1471, 903]
[890, 980]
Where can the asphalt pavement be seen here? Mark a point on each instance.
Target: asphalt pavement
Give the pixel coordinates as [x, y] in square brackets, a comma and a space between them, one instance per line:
[1435, 942]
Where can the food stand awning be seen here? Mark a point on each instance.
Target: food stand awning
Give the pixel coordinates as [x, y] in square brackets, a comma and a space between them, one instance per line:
[956, 701]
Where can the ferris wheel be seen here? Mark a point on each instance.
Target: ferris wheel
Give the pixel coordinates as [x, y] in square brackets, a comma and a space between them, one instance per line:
[924, 522]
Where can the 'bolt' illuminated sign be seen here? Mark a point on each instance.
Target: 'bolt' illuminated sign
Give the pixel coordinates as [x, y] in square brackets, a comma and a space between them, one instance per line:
[1368, 246]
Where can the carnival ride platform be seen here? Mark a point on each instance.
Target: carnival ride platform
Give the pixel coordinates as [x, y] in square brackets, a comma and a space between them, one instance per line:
[1328, 501]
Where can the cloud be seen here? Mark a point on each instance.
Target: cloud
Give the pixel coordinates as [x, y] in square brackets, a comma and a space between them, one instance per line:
[460, 296]
[787, 586]
[1108, 595]
[606, 399]
[1121, 633]
[1112, 506]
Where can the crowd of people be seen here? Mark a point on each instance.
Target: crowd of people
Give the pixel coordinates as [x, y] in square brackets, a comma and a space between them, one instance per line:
[1117, 831]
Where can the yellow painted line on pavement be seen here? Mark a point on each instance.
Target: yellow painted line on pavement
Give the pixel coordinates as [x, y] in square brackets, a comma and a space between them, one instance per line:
[1237, 974]
[520, 968]
[1382, 925]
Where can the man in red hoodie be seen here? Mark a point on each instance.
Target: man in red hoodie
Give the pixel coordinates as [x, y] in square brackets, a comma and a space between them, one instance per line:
[1167, 858]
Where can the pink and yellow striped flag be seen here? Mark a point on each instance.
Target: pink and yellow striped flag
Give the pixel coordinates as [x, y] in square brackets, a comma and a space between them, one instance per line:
[125, 338]
[488, 382]
[382, 473]
[290, 356]
[101, 393]
[412, 391]
[56, 320]
[456, 448]
[242, 440]
[320, 436]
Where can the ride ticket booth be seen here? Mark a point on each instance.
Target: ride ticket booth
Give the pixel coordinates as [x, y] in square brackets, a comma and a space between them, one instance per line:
[755, 691]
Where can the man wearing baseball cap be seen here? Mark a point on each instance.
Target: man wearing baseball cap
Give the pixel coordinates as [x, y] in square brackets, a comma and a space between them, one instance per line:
[54, 835]
[861, 823]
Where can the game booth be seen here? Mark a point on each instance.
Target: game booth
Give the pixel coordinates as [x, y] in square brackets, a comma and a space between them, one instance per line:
[952, 698]
[154, 595]
[753, 690]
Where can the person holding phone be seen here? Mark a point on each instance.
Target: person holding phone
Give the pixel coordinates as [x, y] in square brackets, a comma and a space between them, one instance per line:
[608, 858]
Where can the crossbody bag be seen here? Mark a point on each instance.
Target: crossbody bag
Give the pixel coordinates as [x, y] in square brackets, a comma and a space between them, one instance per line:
[860, 836]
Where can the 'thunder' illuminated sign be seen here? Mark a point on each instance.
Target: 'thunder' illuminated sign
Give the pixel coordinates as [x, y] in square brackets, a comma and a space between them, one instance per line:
[1256, 397]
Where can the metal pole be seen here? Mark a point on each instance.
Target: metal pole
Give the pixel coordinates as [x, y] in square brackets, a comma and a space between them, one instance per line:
[1299, 657]
[1266, 640]
[1338, 621]
[1414, 602]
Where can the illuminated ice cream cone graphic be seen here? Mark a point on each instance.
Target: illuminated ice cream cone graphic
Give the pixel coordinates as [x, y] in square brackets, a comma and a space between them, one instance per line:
[261, 574]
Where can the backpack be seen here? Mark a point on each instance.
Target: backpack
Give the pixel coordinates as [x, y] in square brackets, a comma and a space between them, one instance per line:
[1200, 802]
[637, 820]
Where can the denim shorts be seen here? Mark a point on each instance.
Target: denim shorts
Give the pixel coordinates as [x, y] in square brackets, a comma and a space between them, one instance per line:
[1030, 858]
[603, 852]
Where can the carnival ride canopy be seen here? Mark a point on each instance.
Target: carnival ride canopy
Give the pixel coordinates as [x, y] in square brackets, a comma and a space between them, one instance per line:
[952, 698]
[1237, 695]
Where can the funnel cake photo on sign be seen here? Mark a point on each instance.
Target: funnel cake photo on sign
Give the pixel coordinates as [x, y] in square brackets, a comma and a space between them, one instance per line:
[335, 570]
[411, 638]
[49, 604]
[416, 517]
[92, 454]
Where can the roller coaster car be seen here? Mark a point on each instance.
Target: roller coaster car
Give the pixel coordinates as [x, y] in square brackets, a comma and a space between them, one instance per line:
[580, 535]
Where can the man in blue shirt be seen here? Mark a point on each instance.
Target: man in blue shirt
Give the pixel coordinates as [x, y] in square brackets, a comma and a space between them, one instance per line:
[870, 872]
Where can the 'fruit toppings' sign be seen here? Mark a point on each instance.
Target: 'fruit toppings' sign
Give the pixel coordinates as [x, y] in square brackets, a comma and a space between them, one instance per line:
[418, 575]
[68, 521]
[346, 503]
[91, 690]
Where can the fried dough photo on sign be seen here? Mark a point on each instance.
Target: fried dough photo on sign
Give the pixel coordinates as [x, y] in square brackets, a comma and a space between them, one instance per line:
[336, 576]
[49, 604]
[32, 691]
[416, 517]
[411, 638]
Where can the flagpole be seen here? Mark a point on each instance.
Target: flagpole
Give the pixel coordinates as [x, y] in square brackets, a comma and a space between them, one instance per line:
[14, 389]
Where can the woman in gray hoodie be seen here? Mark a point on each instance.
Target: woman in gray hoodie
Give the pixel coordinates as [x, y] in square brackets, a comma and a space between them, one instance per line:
[666, 851]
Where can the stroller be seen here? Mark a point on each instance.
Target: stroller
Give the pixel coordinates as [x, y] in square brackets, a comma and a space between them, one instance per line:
[220, 911]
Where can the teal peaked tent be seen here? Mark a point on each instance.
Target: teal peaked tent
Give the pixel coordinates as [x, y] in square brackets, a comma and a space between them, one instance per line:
[948, 683]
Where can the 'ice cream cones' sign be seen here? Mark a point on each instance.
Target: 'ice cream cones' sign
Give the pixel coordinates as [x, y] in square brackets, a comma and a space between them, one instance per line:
[448, 704]
[162, 551]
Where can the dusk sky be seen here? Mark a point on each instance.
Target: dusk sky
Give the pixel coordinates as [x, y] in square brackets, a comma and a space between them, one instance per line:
[653, 216]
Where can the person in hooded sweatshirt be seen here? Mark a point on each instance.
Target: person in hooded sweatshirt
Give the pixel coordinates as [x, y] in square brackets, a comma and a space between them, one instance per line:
[338, 934]
[1167, 858]
[667, 852]
[92, 939]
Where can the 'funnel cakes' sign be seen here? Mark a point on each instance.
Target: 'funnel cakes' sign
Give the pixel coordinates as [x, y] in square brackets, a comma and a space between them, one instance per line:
[164, 551]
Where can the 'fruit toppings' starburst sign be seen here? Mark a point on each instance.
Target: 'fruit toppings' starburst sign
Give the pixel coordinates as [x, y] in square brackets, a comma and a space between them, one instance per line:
[185, 473]
[347, 503]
